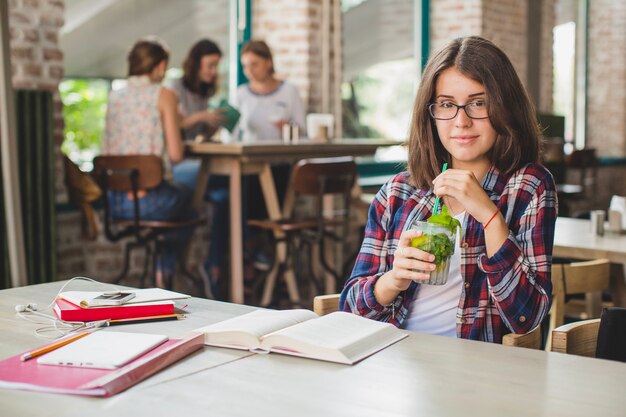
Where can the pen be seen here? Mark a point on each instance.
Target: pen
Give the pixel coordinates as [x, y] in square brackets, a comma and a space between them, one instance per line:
[52, 346]
[149, 319]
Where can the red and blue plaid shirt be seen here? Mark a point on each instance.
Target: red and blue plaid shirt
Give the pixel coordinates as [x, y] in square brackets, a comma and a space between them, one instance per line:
[508, 292]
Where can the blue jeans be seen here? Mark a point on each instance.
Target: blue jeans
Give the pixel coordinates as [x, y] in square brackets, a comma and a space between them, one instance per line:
[168, 201]
[186, 172]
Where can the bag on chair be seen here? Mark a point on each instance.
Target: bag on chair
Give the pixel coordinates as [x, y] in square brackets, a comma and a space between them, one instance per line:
[82, 191]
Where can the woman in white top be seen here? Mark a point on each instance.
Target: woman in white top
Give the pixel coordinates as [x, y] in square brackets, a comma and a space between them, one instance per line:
[265, 102]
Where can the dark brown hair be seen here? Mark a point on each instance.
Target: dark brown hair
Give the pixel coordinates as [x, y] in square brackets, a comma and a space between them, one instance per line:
[192, 64]
[145, 55]
[511, 112]
[261, 49]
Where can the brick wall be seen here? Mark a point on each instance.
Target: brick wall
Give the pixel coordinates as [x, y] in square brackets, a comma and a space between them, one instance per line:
[292, 29]
[606, 78]
[505, 23]
[37, 60]
[548, 20]
[450, 19]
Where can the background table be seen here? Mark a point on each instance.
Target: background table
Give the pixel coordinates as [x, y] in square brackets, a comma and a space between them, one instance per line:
[237, 159]
[573, 239]
[420, 375]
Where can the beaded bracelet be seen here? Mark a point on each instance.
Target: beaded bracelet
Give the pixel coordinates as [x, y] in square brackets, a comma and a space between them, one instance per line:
[490, 219]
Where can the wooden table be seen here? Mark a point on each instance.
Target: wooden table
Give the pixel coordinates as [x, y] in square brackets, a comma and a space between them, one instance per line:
[237, 159]
[573, 239]
[420, 375]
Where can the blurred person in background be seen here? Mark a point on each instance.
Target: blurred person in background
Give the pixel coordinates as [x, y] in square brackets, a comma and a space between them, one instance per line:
[142, 118]
[194, 90]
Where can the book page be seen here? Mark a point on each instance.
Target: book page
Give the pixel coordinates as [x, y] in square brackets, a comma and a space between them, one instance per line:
[339, 337]
[239, 331]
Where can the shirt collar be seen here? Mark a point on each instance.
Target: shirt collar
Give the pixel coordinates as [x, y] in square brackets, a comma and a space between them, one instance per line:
[139, 80]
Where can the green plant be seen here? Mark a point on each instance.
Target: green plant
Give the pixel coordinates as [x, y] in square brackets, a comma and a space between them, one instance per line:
[84, 111]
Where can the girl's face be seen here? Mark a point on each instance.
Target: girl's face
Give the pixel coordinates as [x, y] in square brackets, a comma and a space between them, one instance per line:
[255, 67]
[207, 70]
[467, 140]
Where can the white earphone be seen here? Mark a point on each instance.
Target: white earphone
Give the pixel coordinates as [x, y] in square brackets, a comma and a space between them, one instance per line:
[25, 308]
[31, 308]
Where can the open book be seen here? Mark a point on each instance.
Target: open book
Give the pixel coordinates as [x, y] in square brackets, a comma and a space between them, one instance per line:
[337, 337]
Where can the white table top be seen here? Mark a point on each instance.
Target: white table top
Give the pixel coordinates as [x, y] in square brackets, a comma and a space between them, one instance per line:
[573, 238]
[420, 375]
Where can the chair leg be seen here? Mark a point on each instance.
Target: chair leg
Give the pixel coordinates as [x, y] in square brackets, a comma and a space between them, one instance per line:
[124, 272]
[317, 283]
[146, 265]
[269, 280]
[290, 276]
[325, 265]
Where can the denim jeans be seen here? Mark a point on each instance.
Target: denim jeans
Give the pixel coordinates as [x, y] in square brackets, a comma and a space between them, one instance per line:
[168, 201]
[186, 172]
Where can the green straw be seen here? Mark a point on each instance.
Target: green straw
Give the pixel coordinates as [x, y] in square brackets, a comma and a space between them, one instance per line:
[436, 209]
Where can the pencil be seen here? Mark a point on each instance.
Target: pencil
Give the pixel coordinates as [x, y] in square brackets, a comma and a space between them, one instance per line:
[148, 319]
[52, 346]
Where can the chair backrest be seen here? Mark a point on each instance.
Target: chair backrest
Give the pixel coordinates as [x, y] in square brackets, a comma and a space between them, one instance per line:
[530, 340]
[589, 277]
[321, 176]
[127, 173]
[325, 304]
[584, 164]
[118, 169]
[578, 338]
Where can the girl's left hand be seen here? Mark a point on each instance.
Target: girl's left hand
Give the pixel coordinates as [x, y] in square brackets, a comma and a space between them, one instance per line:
[463, 186]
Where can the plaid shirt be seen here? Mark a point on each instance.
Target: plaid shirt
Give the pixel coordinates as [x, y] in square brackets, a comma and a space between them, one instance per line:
[509, 292]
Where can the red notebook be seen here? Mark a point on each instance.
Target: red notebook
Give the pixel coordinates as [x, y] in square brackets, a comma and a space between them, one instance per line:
[71, 312]
[31, 376]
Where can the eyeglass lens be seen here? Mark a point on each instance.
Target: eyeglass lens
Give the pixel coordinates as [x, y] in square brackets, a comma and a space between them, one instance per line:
[447, 111]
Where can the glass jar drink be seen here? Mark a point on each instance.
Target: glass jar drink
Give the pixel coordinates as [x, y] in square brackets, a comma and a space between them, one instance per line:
[437, 240]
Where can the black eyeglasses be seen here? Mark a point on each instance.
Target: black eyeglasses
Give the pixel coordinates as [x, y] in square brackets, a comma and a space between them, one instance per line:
[476, 109]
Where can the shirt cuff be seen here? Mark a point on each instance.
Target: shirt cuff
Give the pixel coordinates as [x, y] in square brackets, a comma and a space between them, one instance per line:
[370, 298]
[503, 259]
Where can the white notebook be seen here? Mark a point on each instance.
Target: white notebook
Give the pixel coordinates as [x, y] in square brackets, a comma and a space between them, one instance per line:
[103, 349]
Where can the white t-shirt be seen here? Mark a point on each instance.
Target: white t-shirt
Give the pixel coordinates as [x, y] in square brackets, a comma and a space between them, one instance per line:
[434, 308]
[259, 112]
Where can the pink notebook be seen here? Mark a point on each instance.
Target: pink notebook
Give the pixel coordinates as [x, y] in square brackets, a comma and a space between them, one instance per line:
[31, 376]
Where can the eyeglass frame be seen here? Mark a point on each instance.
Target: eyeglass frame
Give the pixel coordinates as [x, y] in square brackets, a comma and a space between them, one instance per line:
[458, 107]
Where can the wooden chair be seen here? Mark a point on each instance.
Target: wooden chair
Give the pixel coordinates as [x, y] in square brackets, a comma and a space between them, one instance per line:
[131, 173]
[581, 168]
[603, 338]
[325, 304]
[293, 234]
[589, 277]
[578, 338]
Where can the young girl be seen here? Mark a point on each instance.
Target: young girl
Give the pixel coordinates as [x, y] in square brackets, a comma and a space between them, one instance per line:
[472, 112]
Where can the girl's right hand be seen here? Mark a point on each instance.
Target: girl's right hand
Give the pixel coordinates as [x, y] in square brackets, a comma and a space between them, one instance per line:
[406, 261]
